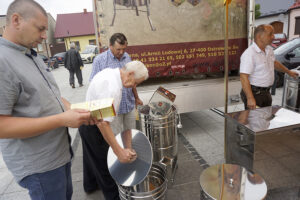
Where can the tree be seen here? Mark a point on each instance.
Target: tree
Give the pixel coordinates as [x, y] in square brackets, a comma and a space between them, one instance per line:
[257, 11]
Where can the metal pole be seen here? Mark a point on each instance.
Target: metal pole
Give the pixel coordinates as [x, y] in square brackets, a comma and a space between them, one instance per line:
[96, 24]
[226, 58]
[250, 20]
[226, 75]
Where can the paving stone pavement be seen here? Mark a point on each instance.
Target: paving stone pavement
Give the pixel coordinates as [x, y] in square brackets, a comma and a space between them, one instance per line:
[201, 144]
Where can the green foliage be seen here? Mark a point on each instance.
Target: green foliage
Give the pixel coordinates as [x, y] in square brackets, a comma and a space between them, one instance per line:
[257, 11]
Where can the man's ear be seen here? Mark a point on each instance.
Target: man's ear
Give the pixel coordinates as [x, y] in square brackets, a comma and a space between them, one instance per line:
[16, 20]
[131, 73]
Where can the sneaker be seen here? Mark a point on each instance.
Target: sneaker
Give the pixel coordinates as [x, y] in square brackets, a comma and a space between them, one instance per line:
[72, 85]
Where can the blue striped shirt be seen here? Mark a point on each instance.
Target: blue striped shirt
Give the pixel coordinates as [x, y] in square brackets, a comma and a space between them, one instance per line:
[108, 60]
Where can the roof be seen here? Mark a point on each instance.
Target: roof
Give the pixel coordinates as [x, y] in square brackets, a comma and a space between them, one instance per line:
[74, 24]
[274, 7]
[295, 5]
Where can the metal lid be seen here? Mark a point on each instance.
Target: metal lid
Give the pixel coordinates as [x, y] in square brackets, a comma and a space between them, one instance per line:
[228, 181]
[130, 174]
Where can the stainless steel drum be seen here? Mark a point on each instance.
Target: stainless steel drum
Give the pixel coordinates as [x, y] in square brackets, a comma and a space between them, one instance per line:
[228, 182]
[153, 187]
[291, 93]
[161, 129]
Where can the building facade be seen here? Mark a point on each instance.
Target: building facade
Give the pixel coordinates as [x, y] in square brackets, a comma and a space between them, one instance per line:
[77, 28]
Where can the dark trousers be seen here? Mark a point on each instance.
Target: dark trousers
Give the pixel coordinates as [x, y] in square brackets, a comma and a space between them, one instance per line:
[263, 98]
[95, 170]
[78, 75]
[54, 184]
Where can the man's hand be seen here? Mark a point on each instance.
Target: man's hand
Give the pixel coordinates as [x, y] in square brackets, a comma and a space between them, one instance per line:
[126, 155]
[138, 102]
[293, 74]
[75, 117]
[251, 103]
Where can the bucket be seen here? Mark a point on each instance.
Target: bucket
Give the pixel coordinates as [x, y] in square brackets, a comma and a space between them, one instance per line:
[291, 93]
[154, 186]
[162, 134]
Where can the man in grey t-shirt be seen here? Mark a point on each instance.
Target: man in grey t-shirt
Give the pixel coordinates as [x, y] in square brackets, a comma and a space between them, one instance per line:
[34, 140]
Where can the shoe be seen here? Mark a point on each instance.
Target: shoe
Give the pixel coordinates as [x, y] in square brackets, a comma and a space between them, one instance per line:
[90, 191]
[72, 85]
[80, 85]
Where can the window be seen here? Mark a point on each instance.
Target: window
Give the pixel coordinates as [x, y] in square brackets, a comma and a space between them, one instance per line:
[92, 42]
[297, 52]
[297, 26]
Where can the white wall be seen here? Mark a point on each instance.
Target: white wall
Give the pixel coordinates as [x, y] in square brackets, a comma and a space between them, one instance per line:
[293, 13]
[268, 20]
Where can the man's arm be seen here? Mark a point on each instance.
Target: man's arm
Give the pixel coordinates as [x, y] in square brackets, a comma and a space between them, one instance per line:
[136, 96]
[66, 60]
[124, 155]
[280, 67]
[66, 103]
[251, 103]
[24, 127]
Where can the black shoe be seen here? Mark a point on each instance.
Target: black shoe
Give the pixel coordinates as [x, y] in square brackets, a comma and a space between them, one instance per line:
[72, 85]
[90, 191]
[80, 85]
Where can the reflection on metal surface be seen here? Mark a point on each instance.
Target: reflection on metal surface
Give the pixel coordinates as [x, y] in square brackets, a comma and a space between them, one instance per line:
[130, 174]
[228, 182]
[291, 93]
[266, 118]
[153, 187]
[263, 139]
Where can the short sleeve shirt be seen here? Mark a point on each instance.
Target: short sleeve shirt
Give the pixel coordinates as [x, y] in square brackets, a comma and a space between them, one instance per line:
[28, 89]
[259, 65]
[108, 60]
[106, 84]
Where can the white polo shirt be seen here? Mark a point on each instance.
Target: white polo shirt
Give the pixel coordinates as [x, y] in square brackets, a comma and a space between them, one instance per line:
[106, 84]
[259, 65]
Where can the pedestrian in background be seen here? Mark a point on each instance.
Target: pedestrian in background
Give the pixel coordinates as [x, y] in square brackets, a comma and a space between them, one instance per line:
[34, 138]
[74, 64]
[257, 69]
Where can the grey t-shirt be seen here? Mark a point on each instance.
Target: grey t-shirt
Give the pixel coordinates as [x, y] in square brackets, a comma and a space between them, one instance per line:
[28, 89]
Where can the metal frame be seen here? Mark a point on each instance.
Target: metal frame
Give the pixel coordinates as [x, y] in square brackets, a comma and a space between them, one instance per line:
[134, 4]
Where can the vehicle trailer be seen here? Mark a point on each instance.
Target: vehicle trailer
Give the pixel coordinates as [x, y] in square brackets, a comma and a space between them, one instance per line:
[177, 38]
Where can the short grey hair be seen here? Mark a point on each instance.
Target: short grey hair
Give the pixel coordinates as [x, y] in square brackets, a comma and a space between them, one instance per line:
[139, 69]
[24, 8]
[72, 45]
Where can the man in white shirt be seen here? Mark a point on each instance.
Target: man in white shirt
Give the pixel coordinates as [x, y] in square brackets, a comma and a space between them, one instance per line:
[257, 69]
[107, 83]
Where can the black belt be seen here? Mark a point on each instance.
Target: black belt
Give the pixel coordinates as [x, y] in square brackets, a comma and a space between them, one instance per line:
[255, 88]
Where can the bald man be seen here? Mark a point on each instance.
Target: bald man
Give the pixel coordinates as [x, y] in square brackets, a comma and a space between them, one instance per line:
[34, 138]
[257, 69]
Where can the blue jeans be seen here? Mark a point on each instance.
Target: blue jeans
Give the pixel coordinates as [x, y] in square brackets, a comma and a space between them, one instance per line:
[51, 185]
